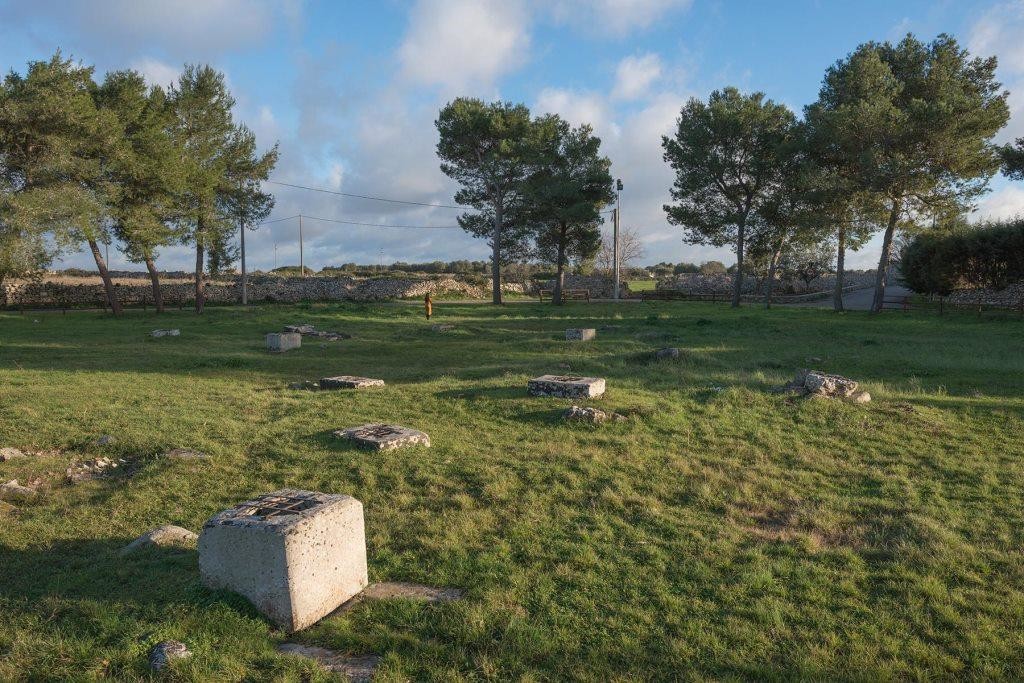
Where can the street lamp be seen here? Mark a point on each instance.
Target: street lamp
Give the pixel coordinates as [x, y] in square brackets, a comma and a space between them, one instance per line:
[615, 237]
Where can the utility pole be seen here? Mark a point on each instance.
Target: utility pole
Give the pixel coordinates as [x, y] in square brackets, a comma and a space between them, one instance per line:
[302, 265]
[617, 211]
[275, 255]
[245, 293]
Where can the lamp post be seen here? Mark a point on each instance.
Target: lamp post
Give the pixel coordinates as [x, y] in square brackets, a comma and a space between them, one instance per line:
[615, 237]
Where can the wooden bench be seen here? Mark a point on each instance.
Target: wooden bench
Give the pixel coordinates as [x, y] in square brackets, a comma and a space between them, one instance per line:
[567, 294]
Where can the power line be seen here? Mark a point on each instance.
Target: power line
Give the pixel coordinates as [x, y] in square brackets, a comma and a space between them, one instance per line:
[366, 196]
[367, 225]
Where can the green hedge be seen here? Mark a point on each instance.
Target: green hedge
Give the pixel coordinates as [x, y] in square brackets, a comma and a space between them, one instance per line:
[990, 256]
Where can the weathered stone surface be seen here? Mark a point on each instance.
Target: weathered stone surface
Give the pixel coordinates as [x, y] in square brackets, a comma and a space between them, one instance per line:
[301, 329]
[279, 342]
[93, 469]
[356, 669]
[162, 654]
[562, 386]
[666, 354]
[304, 386]
[823, 385]
[13, 492]
[8, 453]
[296, 555]
[580, 334]
[860, 397]
[186, 454]
[307, 330]
[384, 437]
[442, 328]
[590, 415]
[6, 508]
[105, 440]
[166, 536]
[165, 333]
[349, 382]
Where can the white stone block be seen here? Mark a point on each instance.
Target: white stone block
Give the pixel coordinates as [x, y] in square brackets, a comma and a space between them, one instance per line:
[349, 382]
[296, 555]
[561, 386]
[580, 334]
[279, 342]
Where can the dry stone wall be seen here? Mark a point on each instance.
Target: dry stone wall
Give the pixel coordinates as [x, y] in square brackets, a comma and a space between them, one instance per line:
[138, 291]
[694, 283]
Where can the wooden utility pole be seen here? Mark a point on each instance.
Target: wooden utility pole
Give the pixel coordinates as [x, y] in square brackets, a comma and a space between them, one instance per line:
[615, 238]
[245, 293]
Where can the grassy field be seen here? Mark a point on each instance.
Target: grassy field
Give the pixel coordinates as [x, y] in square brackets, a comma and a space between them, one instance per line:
[642, 285]
[721, 532]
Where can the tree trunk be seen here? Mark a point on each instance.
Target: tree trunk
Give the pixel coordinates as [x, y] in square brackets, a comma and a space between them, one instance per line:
[200, 282]
[771, 277]
[738, 277]
[154, 277]
[837, 294]
[496, 257]
[883, 260]
[556, 297]
[108, 284]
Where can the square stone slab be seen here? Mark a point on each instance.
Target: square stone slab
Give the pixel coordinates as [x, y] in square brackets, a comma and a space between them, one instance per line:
[349, 382]
[384, 437]
[296, 555]
[279, 342]
[561, 386]
[580, 334]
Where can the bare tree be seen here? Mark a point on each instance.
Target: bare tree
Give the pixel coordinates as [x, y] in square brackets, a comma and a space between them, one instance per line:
[630, 249]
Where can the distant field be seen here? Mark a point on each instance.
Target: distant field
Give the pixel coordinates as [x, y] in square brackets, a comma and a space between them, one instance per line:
[721, 532]
[641, 285]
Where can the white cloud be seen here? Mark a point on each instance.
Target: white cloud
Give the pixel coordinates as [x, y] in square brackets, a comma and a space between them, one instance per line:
[460, 44]
[635, 74]
[577, 108]
[998, 32]
[1006, 202]
[156, 72]
[614, 17]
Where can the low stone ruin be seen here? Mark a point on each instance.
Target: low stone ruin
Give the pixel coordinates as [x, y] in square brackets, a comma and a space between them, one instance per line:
[8, 453]
[163, 653]
[442, 328]
[279, 342]
[165, 333]
[307, 385]
[296, 555]
[667, 354]
[13, 492]
[590, 415]
[348, 382]
[821, 384]
[561, 386]
[580, 334]
[307, 330]
[353, 668]
[384, 437]
[166, 536]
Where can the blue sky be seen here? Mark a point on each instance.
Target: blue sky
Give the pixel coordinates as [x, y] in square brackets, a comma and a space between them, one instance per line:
[350, 90]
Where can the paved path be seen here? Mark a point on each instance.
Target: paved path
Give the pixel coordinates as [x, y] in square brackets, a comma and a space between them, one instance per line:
[858, 299]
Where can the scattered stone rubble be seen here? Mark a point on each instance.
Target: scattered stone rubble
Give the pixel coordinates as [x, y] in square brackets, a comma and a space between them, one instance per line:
[105, 440]
[667, 354]
[162, 654]
[384, 437]
[305, 386]
[442, 328]
[94, 468]
[821, 384]
[590, 415]
[166, 536]
[580, 334]
[165, 333]
[307, 330]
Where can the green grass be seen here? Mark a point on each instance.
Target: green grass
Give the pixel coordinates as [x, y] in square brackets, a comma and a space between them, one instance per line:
[642, 285]
[721, 532]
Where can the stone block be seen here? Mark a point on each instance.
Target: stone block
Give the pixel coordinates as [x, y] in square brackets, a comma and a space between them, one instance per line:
[279, 342]
[165, 333]
[667, 354]
[561, 386]
[580, 334]
[167, 536]
[384, 437]
[349, 382]
[296, 555]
